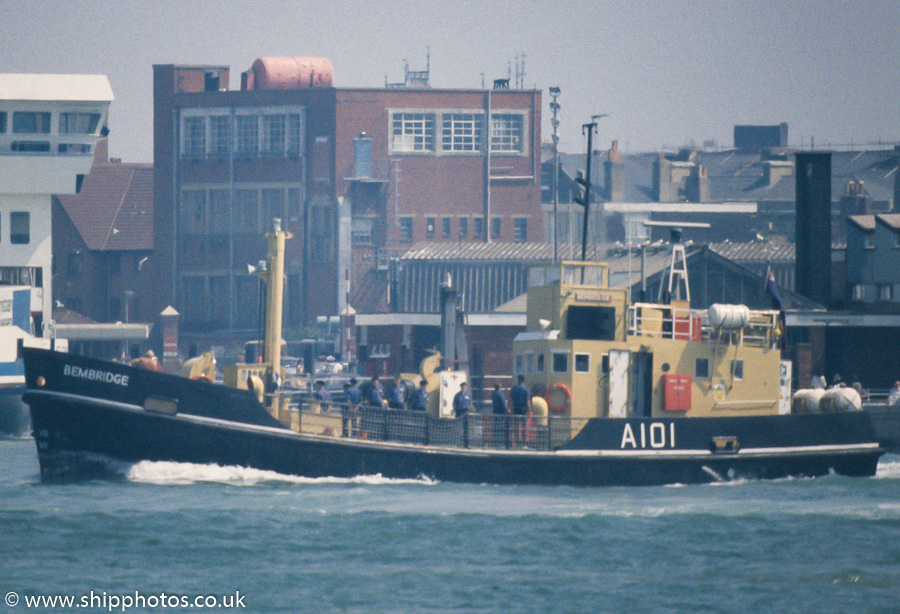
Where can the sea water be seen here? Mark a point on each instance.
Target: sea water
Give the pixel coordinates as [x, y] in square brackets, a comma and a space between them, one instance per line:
[166, 537]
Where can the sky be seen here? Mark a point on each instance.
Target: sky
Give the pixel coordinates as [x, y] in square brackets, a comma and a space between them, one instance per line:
[667, 74]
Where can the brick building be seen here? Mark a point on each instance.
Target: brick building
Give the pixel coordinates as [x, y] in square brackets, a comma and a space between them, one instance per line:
[357, 175]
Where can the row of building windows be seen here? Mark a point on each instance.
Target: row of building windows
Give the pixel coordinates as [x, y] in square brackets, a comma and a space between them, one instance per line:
[870, 293]
[262, 133]
[363, 227]
[208, 212]
[452, 132]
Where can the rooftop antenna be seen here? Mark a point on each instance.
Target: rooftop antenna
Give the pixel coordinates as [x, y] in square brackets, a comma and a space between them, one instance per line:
[584, 180]
[678, 263]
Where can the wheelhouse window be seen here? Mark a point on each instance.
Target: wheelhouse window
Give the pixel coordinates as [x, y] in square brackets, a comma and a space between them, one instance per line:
[495, 228]
[445, 228]
[412, 132]
[582, 363]
[430, 223]
[586, 322]
[31, 122]
[477, 228]
[507, 133]
[737, 369]
[559, 362]
[463, 228]
[19, 227]
[2, 121]
[701, 368]
[461, 132]
[519, 368]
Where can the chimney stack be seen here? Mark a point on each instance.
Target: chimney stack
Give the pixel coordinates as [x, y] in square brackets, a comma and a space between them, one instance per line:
[614, 175]
[813, 234]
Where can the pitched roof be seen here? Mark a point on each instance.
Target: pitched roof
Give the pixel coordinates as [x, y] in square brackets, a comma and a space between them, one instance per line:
[114, 210]
[737, 176]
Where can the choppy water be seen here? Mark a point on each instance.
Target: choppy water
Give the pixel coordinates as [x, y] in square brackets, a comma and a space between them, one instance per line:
[285, 544]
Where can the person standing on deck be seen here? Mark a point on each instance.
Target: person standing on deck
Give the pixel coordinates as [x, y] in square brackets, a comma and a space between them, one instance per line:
[397, 396]
[418, 401]
[521, 405]
[375, 396]
[354, 396]
[499, 420]
[462, 401]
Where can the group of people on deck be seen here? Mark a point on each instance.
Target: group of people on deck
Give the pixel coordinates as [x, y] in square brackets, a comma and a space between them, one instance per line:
[398, 396]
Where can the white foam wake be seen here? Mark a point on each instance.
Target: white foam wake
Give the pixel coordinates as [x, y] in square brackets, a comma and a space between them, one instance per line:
[889, 469]
[171, 473]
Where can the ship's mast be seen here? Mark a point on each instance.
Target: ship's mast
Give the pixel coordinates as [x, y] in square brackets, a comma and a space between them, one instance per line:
[274, 297]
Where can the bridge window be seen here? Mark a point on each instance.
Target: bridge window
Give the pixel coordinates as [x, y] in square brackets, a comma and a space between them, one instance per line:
[595, 323]
[582, 363]
[737, 369]
[560, 362]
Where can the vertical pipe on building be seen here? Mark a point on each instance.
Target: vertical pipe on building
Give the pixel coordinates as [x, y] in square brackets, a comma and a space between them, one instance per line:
[231, 195]
[487, 171]
[175, 206]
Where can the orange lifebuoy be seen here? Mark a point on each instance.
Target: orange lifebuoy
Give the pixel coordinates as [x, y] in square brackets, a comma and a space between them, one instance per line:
[558, 407]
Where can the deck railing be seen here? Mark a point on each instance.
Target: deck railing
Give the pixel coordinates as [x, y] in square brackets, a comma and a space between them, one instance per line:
[474, 430]
[667, 322]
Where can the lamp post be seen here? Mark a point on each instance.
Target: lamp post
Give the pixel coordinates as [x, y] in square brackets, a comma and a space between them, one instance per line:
[554, 121]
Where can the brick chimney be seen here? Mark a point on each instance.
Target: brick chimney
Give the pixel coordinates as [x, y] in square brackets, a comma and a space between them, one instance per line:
[614, 174]
[697, 185]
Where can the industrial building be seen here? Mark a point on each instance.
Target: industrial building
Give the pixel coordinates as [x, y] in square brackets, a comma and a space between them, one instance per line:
[357, 175]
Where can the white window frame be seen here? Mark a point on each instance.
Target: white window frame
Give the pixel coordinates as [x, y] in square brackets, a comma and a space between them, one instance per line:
[575, 362]
[413, 131]
[462, 132]
[193, 136]
[508, 133]
[219, 135]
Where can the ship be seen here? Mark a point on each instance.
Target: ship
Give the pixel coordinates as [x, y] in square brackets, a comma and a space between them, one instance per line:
[621, 393]
[16, 330]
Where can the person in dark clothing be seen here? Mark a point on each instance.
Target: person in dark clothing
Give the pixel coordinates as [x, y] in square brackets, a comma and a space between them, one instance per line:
[354, 396]
[499, 421]
[397, 396]
[376, 394]
[520, 407]
[519, 396]
[498, 401]
[322, 394]
[418, 401]
[462, 401]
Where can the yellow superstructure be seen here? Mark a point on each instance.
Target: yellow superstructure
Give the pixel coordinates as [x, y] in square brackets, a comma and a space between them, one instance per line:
[591, 353]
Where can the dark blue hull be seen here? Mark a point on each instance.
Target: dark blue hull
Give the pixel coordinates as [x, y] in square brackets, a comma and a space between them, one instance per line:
[90, 415]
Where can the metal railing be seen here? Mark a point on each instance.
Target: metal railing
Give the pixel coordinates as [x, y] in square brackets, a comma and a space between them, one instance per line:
[665, 322]
[472, 431]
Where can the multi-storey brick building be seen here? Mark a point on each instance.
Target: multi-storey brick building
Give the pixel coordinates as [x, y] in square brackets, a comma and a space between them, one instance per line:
[357, 175]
